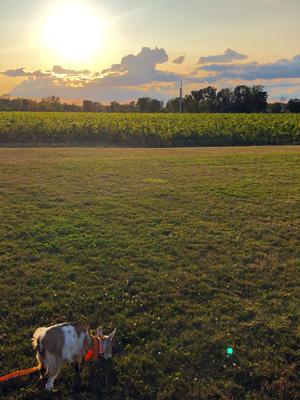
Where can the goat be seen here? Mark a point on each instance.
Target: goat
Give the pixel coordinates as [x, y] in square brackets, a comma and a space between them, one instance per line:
[65, 343]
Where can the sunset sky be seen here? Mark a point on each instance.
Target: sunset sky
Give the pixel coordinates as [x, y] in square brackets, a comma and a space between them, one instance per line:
[124, 49]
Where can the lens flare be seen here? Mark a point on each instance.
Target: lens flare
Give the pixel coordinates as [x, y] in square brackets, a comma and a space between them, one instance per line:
[229, 351]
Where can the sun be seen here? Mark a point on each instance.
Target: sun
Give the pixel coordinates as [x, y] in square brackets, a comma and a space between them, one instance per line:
[74, 32]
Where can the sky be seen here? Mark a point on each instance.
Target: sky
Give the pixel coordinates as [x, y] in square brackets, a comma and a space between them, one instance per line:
[106, 50]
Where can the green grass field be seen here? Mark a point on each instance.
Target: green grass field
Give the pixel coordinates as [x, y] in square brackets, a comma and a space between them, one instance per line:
[184, 251]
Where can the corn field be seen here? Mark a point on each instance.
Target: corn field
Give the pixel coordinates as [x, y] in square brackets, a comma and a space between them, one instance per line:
[148, 130]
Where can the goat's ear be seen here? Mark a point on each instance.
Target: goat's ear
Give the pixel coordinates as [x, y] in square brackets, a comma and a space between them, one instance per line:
[100, 331]
[111, 335]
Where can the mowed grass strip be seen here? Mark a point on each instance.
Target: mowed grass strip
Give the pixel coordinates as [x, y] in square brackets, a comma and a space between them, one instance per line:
[185, 251]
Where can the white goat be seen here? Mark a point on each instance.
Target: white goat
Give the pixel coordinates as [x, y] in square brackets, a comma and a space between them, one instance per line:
[66, 343]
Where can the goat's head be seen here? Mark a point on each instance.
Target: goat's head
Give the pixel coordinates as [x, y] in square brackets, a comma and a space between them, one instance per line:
[106, 341]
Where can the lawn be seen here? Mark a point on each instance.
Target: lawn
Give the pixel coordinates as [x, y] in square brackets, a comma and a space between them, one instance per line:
[185, 251]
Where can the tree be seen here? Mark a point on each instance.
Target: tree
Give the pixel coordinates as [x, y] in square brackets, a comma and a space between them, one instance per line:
[259, 99]
[115, 106]
[206, 99]
[129, 107]
[51, 103]
[242, 99]
[276, 108]
[87, 105]
[190, 104]
[92, 106]
[172, 105]
[225, 100]
[143, 104]
[155, 106]
[146, 104]
[294, 106]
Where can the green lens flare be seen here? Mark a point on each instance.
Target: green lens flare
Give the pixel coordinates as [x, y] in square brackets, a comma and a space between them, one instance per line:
[229, 351]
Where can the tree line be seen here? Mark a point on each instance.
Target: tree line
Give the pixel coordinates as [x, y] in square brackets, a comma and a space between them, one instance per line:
[241, 99]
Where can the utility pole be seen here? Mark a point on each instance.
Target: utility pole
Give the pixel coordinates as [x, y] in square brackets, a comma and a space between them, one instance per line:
[180, 97]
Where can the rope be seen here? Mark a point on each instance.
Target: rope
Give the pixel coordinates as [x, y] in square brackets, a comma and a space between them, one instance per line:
[16, 374]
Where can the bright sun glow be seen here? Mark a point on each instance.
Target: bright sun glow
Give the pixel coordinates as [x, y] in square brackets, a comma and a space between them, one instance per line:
[74, 33]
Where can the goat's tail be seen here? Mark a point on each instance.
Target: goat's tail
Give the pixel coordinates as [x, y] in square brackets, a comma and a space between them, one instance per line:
[37, 340]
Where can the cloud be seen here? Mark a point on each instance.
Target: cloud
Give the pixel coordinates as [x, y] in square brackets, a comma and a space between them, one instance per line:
[136, 75]
[57, 69]
[251, 71]
[133, 70]
[179, 60]
[96, 91]
[228, 56]
[19, 73]
[147, 58]
[139, 69]
[140, 75]
[286, 88]
[40, 73]
[15, 73]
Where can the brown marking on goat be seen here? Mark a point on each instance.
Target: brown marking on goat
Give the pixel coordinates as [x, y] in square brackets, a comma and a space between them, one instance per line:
[54, 341]
[79, 328]
[87, 344]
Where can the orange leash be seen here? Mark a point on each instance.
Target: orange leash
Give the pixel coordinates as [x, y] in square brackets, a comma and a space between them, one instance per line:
[16, 374]
[96, 352]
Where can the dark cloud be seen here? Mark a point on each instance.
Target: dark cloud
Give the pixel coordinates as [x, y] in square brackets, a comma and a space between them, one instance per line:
[57, 69]
[15, 73]
[251, 71]
[19, 72]
[179, 60]
[40, 73]
[228, 56]
[296, 58]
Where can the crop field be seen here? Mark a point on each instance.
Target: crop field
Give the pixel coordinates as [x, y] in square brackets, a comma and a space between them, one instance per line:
[148, 130]
[185, 251]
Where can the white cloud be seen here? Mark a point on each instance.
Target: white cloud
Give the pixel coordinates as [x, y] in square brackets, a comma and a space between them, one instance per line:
[139, 69]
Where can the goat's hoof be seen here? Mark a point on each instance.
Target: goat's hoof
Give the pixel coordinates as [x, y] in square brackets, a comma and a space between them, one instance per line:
[78, 368]
[43, 373]
[49, 387]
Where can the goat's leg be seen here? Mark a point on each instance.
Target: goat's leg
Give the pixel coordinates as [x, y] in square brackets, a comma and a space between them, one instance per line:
[78, 364]
[43, 371]
[41, 362]
[53, 371]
